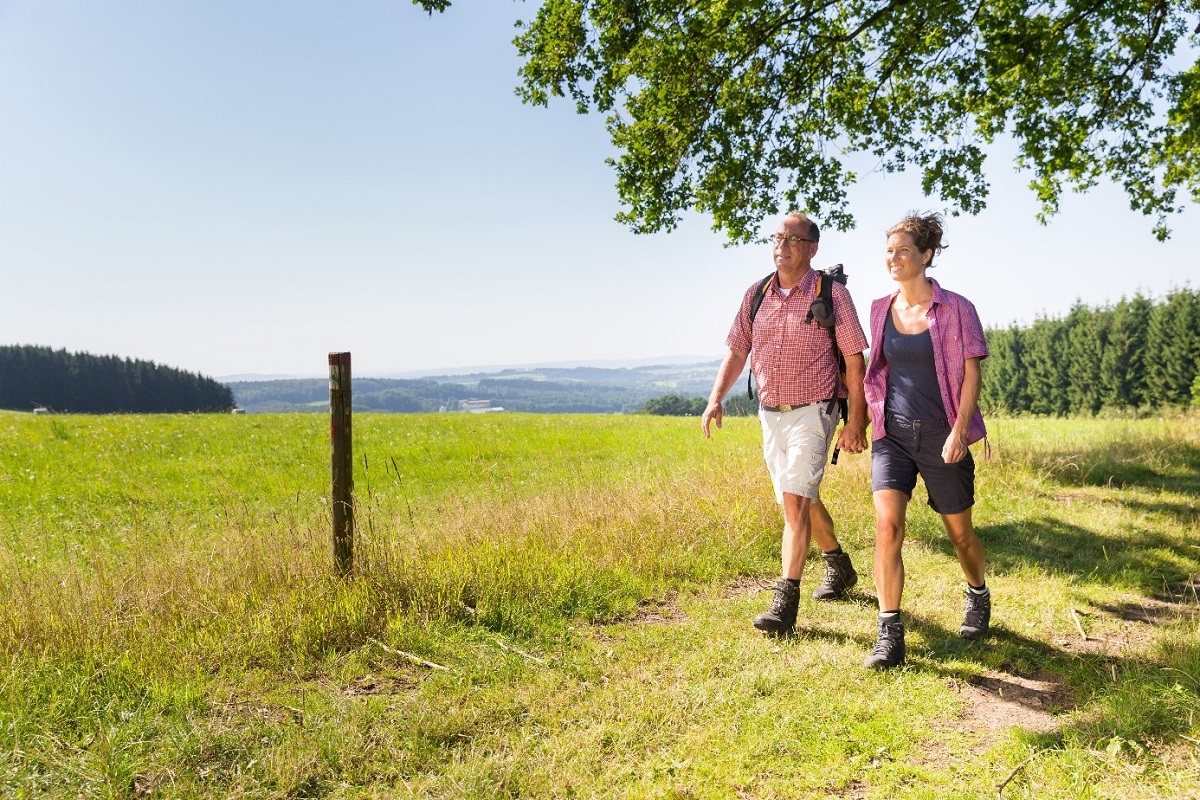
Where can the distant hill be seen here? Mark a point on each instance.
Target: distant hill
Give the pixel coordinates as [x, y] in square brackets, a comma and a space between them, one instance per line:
[547, 390]
[610, 363]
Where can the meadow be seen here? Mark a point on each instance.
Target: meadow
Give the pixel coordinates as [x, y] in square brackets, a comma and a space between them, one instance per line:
[559, 606]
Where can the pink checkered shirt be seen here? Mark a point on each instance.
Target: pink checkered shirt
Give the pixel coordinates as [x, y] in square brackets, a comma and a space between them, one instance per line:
[793, 361]
[957, 335]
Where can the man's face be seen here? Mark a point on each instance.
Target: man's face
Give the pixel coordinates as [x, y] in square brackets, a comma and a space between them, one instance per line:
[792, 248]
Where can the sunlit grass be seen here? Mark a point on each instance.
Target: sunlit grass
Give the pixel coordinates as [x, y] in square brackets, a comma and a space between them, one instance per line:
[172, 625]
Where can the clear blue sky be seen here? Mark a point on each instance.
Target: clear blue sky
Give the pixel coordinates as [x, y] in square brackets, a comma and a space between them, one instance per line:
[243, 187]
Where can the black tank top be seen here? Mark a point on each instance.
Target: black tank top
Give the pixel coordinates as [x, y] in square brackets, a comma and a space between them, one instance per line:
[912, 385]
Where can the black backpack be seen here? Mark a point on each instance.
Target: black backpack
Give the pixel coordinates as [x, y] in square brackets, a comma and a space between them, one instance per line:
[821, 310]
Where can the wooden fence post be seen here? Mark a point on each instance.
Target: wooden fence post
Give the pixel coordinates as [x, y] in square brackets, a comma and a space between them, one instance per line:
[342, 462]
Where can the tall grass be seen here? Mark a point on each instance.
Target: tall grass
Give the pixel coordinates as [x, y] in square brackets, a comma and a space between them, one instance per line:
[194, 530]
[172, 624]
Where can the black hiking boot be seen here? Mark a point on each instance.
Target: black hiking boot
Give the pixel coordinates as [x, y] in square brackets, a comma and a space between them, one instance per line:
[781, 616]
[839, 577]
[888, 651]
[978, 617]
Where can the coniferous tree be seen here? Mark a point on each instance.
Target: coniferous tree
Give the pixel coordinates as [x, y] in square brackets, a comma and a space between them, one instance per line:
[80, 382]
[1045, 364]
[1086, 333]
[1172, 349]
[1122, 372]
[1004, 384]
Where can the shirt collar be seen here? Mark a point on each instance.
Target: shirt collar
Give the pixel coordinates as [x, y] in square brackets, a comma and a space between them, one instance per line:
[806, 283]
[939, 294]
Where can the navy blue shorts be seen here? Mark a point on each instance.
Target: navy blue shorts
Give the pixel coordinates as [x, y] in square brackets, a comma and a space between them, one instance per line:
[913, 447]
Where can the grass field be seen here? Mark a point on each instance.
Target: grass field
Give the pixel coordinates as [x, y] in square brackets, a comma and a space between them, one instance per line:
[559, 606]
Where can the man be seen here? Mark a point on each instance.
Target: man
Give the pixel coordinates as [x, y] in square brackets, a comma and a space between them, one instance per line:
[796, 371]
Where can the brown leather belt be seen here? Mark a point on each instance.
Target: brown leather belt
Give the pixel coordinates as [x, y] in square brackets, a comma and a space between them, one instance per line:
[783, 409]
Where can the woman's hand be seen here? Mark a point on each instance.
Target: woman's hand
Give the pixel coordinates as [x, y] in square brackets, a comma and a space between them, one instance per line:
[852, 438]
[955, 448]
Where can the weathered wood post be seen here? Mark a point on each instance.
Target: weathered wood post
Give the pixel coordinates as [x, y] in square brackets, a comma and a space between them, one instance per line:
[342, 463]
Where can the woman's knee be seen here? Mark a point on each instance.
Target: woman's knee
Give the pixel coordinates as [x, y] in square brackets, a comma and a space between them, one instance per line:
[961, 531]
[889, 532]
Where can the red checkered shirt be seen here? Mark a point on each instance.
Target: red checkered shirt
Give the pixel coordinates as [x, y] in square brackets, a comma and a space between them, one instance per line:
[793, 360]
[957, 335]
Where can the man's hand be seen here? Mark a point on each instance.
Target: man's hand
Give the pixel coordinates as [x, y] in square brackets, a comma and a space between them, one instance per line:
[713, 412]
[731, 367]
[852, 438]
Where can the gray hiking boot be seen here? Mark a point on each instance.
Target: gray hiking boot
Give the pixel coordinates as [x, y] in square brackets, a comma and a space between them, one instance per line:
[839, 577]
[978, 617]
[781, 616]
[888, 651]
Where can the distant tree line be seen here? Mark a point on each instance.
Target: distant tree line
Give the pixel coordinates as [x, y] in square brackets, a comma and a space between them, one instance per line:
[423, 395]
[737, 404]
[673, 405]
[1137, 354]
[32, 377]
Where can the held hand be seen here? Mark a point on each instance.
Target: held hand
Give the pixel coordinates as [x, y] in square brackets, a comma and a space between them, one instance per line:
[955, 448]
[714, 412]
[852, 438]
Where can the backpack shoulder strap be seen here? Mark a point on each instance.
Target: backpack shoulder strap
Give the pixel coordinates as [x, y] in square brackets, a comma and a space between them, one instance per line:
[754, 304]
[758, 297]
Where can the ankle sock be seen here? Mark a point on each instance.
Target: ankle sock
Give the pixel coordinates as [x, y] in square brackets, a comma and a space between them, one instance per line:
[793, 581]
[980, 590]
[889, 616]
[837, 551]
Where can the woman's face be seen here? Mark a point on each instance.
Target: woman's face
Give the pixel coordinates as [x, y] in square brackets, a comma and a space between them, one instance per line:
[904, 261]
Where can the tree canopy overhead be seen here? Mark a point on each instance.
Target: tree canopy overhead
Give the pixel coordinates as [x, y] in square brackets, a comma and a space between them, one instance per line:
[741, 108]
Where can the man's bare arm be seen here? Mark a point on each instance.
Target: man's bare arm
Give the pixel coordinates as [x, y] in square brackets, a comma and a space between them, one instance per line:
[727, 375]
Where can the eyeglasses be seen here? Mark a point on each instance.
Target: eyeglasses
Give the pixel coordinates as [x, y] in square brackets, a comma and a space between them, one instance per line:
[779, 239]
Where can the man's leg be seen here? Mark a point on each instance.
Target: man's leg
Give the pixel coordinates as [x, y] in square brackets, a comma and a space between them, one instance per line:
[840, 575]
[797, 531]
[794, 446]
[781, 616]
[820, 522]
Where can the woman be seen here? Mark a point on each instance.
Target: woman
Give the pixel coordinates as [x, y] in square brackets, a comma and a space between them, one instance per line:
[922, 389]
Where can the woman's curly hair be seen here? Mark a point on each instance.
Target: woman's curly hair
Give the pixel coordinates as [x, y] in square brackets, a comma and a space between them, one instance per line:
[925, 230]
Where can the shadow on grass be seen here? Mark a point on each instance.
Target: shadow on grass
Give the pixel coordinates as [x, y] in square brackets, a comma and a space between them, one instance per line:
[1139, 554]
[1150, 559]
[1185, 513]
[1157, 464]
[1113, 696]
